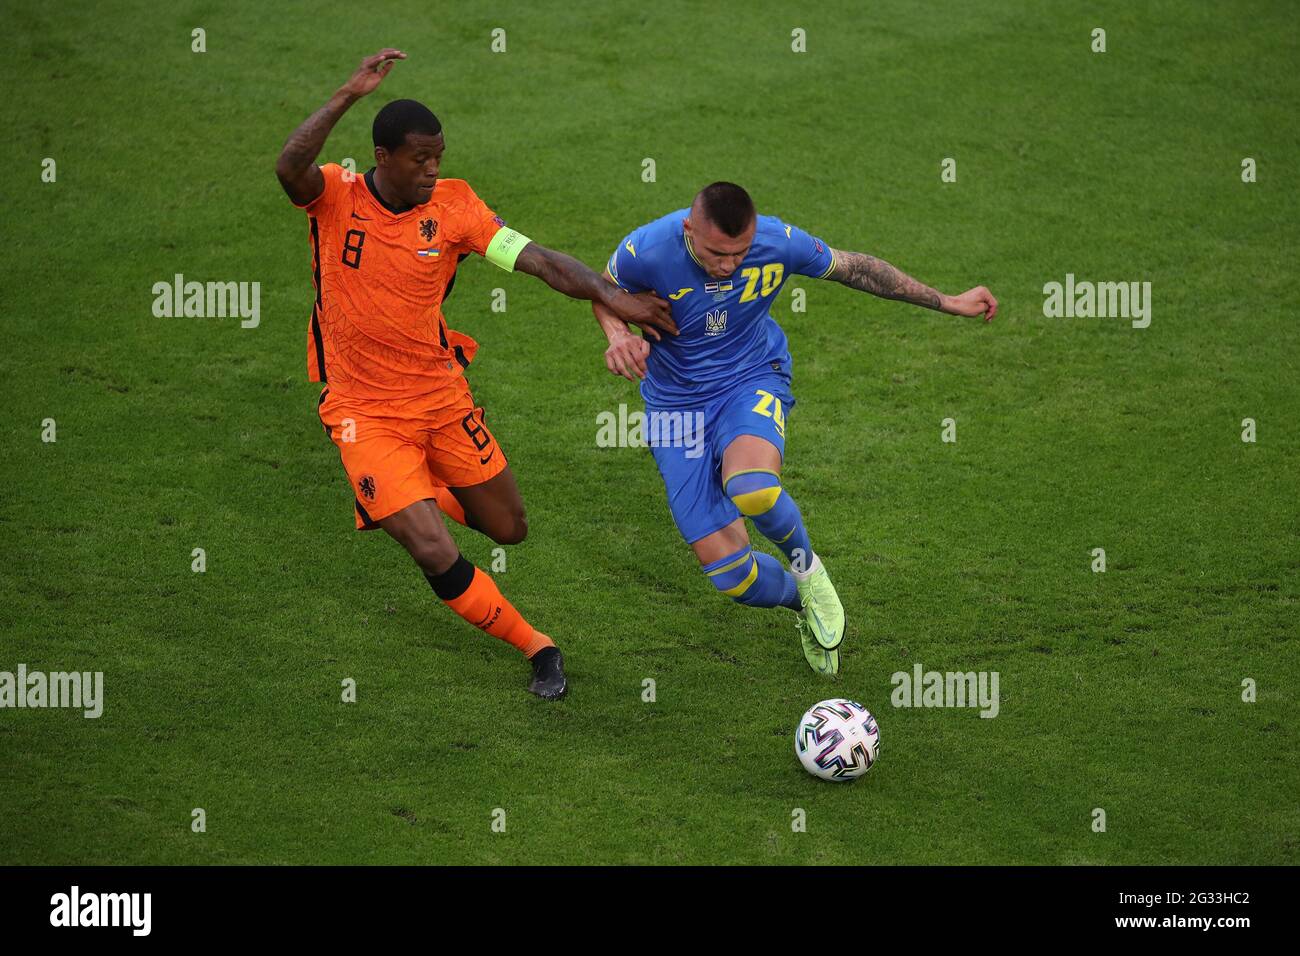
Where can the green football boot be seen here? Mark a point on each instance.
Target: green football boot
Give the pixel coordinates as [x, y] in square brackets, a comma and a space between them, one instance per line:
[821, 606]
[824, 662]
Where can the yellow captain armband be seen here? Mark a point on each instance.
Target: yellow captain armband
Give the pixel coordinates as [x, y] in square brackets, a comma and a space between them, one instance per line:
[505, 247]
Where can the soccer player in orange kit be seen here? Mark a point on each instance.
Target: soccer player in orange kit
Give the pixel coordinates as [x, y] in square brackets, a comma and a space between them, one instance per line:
[385, 247]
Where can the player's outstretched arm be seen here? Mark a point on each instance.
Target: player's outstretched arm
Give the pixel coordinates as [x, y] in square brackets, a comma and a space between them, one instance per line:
[857, 270]
[565, 274]
[296, 167]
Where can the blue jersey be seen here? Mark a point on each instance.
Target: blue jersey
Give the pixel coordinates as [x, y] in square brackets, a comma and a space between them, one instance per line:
[726, 331]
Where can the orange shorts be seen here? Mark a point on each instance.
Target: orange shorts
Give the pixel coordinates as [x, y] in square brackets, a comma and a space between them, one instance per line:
[396, 454]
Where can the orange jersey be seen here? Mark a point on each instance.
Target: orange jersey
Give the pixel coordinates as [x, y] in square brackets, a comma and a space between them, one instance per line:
[377, 330]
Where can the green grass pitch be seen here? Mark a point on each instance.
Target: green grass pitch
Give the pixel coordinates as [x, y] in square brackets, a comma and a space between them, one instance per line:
[1119, 690]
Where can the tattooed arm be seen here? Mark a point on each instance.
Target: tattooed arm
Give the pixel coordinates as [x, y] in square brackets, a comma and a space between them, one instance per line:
[566, 274]
[296, 167]
[857, 270]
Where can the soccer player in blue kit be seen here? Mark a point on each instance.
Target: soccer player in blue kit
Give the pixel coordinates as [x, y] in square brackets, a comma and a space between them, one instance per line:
[720, 265]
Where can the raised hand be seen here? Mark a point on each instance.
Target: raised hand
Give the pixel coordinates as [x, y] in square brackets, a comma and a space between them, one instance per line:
[372, 71]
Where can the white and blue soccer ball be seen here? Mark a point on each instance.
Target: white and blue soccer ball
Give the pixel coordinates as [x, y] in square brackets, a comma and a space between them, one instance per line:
[837, 740]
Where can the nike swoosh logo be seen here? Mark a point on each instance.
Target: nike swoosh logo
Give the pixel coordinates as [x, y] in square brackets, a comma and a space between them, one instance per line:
[821, 628]
[362, 218]
[679, 293]
[484, 461]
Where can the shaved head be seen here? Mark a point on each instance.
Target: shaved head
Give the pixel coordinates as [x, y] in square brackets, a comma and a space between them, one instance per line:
[726, 205]
[720, 228]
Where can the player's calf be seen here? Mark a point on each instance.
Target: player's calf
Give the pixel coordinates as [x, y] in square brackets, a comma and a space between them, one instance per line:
[471, 593]
[758, 495]
[428, 543]
[754, 578]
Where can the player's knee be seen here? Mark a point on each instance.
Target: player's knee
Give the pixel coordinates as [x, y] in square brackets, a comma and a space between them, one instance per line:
[515, 532]
[734, 575]
[433, 553]
[753, 492]
[511, 530]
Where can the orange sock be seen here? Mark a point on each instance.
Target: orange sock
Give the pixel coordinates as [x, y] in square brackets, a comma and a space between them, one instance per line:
[449, 506]
[471, 593]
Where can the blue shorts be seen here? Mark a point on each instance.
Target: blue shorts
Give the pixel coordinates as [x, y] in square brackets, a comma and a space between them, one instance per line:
[687, 445]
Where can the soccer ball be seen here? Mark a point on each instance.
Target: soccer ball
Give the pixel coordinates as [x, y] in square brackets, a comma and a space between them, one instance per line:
[837, 740]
